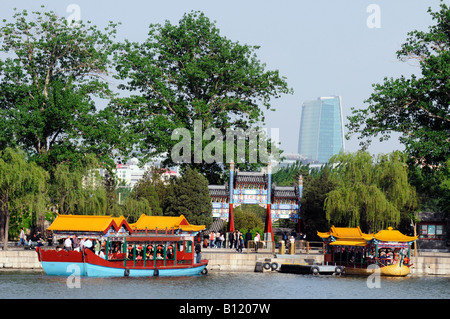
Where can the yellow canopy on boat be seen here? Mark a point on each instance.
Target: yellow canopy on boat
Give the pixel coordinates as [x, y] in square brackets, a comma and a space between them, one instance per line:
[346, 233]
[360, 243]
[393, 235]
[163, 222]
[85, 223]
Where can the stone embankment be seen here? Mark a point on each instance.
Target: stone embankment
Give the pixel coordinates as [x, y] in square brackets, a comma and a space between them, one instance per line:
[227, 260]
[19, 259]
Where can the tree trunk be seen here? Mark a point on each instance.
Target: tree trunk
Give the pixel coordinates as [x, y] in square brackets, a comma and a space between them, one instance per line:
[2, 225]
[5, 216]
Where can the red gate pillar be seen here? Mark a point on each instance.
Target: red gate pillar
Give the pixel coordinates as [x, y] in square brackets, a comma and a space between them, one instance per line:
[230, 227]
[268, 224]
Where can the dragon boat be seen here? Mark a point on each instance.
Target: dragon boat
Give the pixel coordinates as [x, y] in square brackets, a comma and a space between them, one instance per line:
[387, 252]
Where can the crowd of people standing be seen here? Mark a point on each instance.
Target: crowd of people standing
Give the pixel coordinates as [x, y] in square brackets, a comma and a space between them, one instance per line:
[235, 240]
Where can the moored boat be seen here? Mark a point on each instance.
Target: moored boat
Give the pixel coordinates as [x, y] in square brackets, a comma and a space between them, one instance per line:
[124, 251]
[387, 251]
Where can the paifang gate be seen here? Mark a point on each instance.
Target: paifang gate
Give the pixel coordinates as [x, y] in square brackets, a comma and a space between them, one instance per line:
[281, 202]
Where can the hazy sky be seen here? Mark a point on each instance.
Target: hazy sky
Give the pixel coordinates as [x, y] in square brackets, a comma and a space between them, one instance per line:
[322, 47]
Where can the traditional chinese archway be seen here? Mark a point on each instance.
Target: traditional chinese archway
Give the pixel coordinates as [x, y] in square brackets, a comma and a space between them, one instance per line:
[281, 202]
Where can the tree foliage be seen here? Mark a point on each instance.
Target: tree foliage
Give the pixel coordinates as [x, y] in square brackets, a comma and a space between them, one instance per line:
[145, 189]
[371, 193]
[79, 189]
[49, 80]
[22, 188]
[316, 188]
[189, 196]
[418, 107]
[249, 217]
[189, 72]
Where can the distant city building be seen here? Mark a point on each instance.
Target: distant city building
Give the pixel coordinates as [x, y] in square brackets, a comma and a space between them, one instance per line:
[321, 129]
[291, 159]
[131, 172]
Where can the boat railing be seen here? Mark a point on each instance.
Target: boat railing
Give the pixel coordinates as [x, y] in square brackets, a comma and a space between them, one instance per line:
[165, 231]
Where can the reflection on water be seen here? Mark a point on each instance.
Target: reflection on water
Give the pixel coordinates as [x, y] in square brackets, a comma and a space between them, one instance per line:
[223, 286]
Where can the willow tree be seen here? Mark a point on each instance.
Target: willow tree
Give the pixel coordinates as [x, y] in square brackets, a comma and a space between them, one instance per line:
[79, 189]
[371, 192]
[22, 188]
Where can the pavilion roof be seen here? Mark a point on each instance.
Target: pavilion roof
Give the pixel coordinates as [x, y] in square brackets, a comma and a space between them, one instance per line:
[251, 178]
[285, 192]
[218, 191]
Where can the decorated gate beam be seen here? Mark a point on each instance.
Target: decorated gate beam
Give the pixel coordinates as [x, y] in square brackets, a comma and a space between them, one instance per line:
[280, 202]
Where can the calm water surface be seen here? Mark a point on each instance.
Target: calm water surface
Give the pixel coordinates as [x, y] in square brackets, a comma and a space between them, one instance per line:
[222, 286]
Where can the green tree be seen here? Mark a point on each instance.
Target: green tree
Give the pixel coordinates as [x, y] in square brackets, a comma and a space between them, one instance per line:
[133, 208]
[49, 80]
[79, 189]
[315, 191]
[288, 176]
[371, 194]
[189, 196]
[418, 107]
[249, 217]
[190, 72]
[145, 188]
[22, 188]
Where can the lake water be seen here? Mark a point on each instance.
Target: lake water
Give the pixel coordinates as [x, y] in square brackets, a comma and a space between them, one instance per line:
[271, 285]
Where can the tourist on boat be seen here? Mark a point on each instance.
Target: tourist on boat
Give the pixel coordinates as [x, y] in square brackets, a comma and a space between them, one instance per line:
[198, 252]
[87, 243]
[169, 252]
[97, 247]
[150, 252]
[130, 252]
[405, 260]
[68, 244]
[75, 243]
[388, 258]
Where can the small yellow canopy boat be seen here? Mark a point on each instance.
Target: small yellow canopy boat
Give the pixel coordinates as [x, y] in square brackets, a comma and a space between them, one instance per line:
[363, 254]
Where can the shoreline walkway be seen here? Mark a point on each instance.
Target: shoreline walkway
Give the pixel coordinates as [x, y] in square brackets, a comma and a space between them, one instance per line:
[228, 260]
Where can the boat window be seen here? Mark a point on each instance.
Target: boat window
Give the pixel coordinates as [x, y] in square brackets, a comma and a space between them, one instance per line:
[180, 246]
[160, 251]
[170, 251]
[189, 246]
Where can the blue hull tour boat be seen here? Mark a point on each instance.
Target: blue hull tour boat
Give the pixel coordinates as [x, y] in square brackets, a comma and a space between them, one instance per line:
[103, 246]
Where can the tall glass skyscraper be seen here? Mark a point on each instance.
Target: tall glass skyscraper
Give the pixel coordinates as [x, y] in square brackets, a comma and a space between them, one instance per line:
[321, 129]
